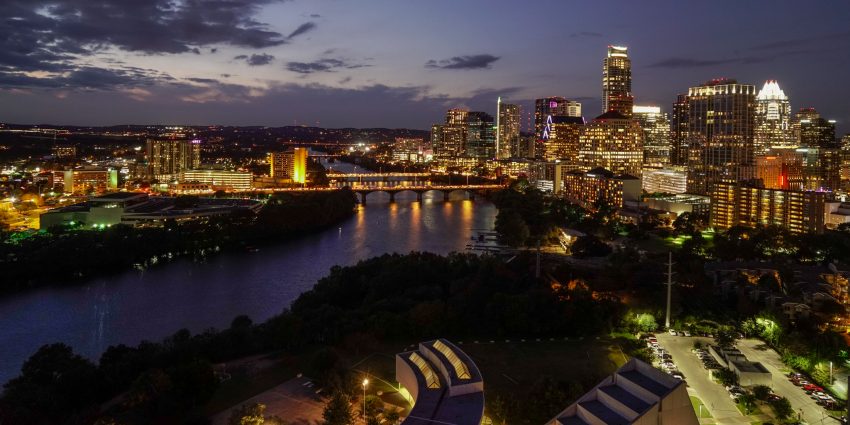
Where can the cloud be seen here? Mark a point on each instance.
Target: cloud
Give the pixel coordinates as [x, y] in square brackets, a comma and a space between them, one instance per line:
[586, 34]
[315, 15]
[322, 65]
[87, 78]
[259, 60]
[302, 29]
[782, 44]
[483, 61]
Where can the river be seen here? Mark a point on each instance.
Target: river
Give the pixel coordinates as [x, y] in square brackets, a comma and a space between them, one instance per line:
[149, 305]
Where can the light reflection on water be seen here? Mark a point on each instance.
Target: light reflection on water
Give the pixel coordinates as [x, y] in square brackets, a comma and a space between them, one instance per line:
[151, 304]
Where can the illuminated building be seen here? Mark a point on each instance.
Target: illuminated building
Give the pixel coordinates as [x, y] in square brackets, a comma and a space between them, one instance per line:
[138, 209]
[636, 394]
[664, 180]
[563, 138]
[773, 119]
[812, 130]
[219, 179]
[64, 151]
[721, 116]
[656, 135]
[408, 150]
[291, 165]
[614, 142]
[449, 140]
[680, 203]
[480, 136]
[751, 206]
[845, 157]
[167, 158]
[617, 81]
[507, 130]
[780, 168]
[545, 110]
[600, 185]
[821, 168]
[82, 181]
[679, 131]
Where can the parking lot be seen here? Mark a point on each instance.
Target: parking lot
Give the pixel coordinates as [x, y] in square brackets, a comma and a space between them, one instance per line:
[712, 394]
[757, 352]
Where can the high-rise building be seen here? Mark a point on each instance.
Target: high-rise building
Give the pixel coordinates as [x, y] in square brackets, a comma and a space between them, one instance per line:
[656, 135]
[617, 81]
[821, 168]
[721, 124]
[545, 108]
[289, 165]
[449, 140]
[480, 136]
[90, 180]
[780, 168]
[751, 206]
[773, 119]
[407, 149]
[845, 157]
[614, 142]
[679, 131]
[167, 158]
[600, 186]
[507, 130]
[813, 130]
[563, 140]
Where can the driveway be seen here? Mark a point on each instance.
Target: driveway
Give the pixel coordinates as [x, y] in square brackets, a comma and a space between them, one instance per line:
[757, 351]
[294, 400]
[712, 394]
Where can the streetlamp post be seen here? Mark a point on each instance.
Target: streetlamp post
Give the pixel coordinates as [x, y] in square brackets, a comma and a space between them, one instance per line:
[365, 383]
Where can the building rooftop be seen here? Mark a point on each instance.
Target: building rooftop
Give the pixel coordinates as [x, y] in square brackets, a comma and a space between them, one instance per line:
[612, 115]
[119, 196]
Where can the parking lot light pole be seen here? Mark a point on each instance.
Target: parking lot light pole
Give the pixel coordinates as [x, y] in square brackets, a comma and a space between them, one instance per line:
[365, 383]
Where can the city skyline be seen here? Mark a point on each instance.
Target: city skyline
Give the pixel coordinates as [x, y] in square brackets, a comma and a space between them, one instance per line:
[260, 62]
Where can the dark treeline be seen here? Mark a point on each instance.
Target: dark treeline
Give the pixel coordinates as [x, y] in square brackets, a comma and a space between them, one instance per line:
[393, 297]
[66, 255]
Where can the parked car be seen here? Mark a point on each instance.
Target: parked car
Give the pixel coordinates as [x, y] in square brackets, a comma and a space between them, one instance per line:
[672, 332]
[686, 333]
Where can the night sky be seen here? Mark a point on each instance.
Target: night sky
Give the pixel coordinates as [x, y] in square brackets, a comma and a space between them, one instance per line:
[395, 63]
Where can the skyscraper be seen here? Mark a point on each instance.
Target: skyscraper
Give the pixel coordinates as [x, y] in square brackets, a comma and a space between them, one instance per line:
[507, 130]
[449, 140]
[563, 141]
[544, 108]
[821, 151]
[167, 158]
[617, 81]
[480, 136]
[721, 124]
[773, 119]
[291, 165]
[614, 142]
[656, 135]
[679, 131]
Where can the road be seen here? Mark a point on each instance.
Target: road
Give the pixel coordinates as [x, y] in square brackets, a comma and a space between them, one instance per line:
[756, 351]
[712, 394]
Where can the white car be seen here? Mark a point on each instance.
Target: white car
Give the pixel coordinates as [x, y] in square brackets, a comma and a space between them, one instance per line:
[686, 333]
[673, 332]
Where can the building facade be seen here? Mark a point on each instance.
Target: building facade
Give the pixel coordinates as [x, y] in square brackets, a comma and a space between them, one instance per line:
[90, 180]
[219, 179]
[480, 136]
[617, 81]
[721, 125]
[563, 138]
[751, 206]
[773, 119]
[656, 135]
[290, 165]
[664, 180]
[600, 186]
[614, 142]
[167, 158]
[507, 130]
[679, 131]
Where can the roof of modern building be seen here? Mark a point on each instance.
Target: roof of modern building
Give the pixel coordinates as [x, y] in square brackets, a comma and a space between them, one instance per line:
[748, 366]
[449, 388]
[611, 115]
[119, 196]
[563, 119]
[626, 396]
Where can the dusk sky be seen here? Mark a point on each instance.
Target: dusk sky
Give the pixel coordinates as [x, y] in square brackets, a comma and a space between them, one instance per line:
[394, 63]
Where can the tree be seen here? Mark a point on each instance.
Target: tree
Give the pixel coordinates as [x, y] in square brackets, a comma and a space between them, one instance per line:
[512, 228]
[645, 322]
[782, 408]
[590, 246]
[338, 410]
[748, 401]
[761, 392]
[726, 337]
[726, 377]
[248, 414]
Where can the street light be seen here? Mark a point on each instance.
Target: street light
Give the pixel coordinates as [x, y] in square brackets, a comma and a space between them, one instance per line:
[365, 383]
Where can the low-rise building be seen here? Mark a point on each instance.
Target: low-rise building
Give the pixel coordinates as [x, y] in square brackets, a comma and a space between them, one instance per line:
[681, 203]
[138, 208]
[219, 179]
[636, 394]
[90, 180]
[664, 180]
[442, 384]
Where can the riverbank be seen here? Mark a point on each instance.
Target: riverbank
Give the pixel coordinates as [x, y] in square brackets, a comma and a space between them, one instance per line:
[68, 256]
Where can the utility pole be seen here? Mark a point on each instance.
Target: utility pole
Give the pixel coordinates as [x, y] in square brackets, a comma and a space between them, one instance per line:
[669, 287]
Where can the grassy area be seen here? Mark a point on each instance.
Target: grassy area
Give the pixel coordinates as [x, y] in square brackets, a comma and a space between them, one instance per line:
[756, 410]
[696, 402]
[243, 385]
[510, 369]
